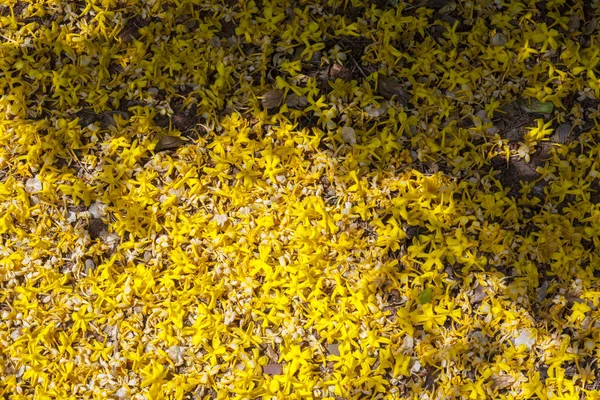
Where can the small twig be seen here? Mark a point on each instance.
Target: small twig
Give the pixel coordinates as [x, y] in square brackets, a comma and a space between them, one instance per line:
[359, 68]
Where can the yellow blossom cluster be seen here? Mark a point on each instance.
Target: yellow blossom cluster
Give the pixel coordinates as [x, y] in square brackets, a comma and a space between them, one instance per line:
[296, 199]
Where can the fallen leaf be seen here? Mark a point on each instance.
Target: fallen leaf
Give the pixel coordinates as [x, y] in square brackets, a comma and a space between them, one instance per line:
[272, 99]
[437, 4]
[431, 379]
[114, 118]
[448, 8]
[425, 296]
[542, 291]
[510, 110]
[339, 71]
[271, 353]
[349, 135]
[574, 23]
[482, 117]
[168, 143]
[503, 381]
[535, 106]
[561, 134]
[296, 101]
[273, 369]
[479, 294]
[498, 40]
[333, 349]
[375, 112]
[590, 27]
[449, 19]
[389, 88]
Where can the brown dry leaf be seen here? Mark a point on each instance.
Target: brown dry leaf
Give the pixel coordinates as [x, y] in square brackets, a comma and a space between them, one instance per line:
[273, 369]
[436, 4]
[510, 110]
[349, 135]
[498, 40]
[333, 349]
[503, 381]
[168, 143]
[431, 379]
[574, 23]
[542, 154]
[271, 353]
[448, 8]
[296, 101]
[389, 89]
[394, 297]
[479, 294]
[542, 291]
[561, 134]
[272, 99]
[339, 71]
[590, 27]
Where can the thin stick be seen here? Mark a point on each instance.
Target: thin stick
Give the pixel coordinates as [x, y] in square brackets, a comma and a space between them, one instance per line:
[359, 68]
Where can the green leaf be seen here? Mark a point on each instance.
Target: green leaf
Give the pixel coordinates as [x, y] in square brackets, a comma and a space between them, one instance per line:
[537, 107]
[425, 296]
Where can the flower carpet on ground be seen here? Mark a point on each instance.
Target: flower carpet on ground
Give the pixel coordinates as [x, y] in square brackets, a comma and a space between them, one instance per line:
[299, 199]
